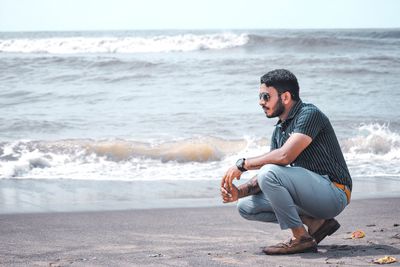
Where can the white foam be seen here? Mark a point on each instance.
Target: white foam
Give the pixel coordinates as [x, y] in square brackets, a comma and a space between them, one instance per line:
[375, 151]
[162, 43]
[27, 162]
[375, 139]
[198, 158]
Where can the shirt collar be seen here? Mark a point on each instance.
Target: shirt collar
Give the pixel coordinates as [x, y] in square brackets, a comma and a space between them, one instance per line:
[293, 111]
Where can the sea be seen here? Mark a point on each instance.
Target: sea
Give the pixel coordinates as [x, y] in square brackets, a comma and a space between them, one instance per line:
[158, 116]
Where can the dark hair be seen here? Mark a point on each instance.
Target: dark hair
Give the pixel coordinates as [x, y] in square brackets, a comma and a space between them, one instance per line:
[283, 80]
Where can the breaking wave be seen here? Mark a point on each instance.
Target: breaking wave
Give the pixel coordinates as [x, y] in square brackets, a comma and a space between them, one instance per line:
[162, 43]
[374, 139]
[373, 152]
[186, 42]
[22, 158]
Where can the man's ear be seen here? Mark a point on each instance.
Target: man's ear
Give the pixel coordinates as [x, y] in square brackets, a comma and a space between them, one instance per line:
[286, 97]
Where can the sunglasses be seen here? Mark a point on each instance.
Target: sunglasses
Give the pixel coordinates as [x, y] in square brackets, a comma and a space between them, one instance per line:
[264, 96]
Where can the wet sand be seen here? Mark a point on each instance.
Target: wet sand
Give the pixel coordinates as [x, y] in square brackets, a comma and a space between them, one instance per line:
[215, 236]
[69, 195]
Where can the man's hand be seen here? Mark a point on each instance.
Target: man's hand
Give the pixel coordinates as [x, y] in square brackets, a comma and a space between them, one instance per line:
[232, 173]
[231, 196]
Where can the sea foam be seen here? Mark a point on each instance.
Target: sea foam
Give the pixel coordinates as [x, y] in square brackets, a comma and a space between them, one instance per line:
[105, 159]
[161, 43]
[373, 152]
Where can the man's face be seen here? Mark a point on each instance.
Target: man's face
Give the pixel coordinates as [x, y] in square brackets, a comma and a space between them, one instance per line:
[273, 107]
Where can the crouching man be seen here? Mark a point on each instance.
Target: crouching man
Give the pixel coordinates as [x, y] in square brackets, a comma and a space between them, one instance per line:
[303, 180]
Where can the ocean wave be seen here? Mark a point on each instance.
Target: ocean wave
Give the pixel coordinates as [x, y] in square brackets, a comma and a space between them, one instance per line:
[292, 40]
[373, 152]
[381, 34]
[28, 126]
[21, 157]
[374, 139]
[161, 43]
[191, 150]
[304, 40]
[184, 42]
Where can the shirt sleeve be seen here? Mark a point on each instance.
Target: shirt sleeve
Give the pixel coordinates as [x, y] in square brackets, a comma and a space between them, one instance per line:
[310, 122]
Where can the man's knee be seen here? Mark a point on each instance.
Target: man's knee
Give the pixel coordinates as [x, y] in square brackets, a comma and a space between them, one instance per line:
[269, 173]
[245, 208]
[250, 210]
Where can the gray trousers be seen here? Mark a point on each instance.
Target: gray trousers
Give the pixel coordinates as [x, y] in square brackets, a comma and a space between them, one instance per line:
[288, 192]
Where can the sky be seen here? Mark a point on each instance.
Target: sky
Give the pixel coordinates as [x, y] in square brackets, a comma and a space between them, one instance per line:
[73, 15]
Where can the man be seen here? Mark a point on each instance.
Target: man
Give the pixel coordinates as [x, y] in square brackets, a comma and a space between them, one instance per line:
[304, 179]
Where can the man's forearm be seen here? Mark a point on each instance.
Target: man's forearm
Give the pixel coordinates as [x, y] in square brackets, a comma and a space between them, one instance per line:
[249, 188]
[284, 155]
[277, 156]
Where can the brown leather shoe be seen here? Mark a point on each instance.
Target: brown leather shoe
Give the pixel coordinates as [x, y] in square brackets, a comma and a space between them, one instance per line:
[327, 228]
[300, 245]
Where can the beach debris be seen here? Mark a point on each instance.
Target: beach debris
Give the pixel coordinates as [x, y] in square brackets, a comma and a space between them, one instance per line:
[396, 224]
[371, 225]
[156, 255]
[327, 261]
[396, 236]
[358, 234]
[385, 260]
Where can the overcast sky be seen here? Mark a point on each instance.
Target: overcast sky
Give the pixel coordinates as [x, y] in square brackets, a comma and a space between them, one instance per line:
[39, 15]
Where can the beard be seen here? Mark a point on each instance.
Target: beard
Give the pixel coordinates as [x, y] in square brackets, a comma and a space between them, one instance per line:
[280, 108]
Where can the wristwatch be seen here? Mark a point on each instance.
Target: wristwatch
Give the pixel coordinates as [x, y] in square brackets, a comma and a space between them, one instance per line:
[240, 164]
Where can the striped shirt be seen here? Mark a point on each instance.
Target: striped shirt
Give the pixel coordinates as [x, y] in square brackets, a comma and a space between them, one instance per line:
[323, 155]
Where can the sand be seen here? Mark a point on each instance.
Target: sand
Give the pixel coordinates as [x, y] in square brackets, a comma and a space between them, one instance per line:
[214, 236]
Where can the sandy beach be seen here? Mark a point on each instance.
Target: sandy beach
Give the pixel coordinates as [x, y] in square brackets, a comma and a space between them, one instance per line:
[214, 236]
[113, 143]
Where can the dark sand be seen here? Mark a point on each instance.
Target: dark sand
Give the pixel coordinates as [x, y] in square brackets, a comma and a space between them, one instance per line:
[189, 237]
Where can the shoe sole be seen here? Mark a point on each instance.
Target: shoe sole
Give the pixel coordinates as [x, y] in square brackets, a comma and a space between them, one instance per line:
[330, 232]
[312, 249]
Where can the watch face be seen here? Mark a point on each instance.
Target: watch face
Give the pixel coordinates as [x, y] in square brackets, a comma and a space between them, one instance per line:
[239, 163]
